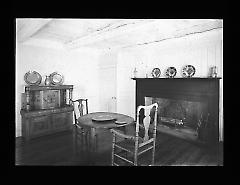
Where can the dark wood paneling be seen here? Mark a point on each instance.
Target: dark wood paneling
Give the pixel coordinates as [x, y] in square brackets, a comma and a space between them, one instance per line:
[192, 89]
[39, 125]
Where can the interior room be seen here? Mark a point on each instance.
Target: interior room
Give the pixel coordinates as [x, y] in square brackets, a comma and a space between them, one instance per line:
[117, 67]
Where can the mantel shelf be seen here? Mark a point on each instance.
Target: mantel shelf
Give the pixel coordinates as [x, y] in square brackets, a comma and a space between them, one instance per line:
[177, 78]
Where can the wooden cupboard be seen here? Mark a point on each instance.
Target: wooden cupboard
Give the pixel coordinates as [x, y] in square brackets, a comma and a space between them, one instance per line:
[46, 110]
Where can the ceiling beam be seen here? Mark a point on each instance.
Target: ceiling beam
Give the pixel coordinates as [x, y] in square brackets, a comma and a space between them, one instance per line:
[194, 29]
[29, 27]
[165, 33]
[108, 32]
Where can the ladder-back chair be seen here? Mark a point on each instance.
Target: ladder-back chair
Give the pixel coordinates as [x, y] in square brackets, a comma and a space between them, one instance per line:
[81, 133]
[131, 146]
[79, 108]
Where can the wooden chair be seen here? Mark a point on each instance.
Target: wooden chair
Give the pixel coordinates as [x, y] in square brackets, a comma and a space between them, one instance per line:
[80, 133]
[79, 109]
[138, 143]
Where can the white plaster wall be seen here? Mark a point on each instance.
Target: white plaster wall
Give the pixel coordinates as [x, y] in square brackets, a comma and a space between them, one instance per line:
[125, 85]
[202, 50]
[79, 68]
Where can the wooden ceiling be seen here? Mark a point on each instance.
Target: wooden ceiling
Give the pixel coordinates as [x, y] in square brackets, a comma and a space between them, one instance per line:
[107, 33]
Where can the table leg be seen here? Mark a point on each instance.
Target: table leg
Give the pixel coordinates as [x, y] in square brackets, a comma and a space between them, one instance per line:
[84, 140]
[93, 140]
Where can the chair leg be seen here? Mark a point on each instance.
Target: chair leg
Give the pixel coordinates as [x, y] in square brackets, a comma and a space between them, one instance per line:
[135, 159]
[95, 142]
[78, 140]
[113, 148]
[153, 154]
[75, 139]
[136, 153]
[126, 154]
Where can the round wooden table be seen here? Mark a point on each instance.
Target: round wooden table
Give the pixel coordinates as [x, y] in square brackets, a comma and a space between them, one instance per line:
[88, 122]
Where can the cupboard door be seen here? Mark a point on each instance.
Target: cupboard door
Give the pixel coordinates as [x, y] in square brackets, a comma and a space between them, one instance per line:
[40, 125]
[61, 121]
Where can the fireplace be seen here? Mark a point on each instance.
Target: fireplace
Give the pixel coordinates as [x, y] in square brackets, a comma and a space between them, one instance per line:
[188, 107]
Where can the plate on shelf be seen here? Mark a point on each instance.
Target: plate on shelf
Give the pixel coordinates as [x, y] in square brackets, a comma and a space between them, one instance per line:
[188, 71]
[101, 118]
[32, 78]
[56, 78]
[171, 72]
[156, 72]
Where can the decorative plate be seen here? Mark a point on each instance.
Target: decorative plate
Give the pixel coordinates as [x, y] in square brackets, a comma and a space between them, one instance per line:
[188, 71]
[103, 118]
[156, 72]
[32, 78]
[56, 78]
[171, 72]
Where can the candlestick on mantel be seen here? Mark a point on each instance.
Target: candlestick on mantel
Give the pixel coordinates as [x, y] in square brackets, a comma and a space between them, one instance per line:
[146, 71]
[135, 73]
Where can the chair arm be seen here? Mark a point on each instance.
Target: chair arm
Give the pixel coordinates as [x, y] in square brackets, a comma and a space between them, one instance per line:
[122, 135]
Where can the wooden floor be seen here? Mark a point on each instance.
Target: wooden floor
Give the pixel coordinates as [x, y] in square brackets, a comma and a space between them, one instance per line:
[58, 149]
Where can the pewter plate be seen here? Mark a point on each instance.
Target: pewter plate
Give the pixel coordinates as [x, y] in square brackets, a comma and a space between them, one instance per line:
[102, 118]
[171, 72]
[188, 71]
[120, 122]
[156, 72]
[32, 78]
[56, 78]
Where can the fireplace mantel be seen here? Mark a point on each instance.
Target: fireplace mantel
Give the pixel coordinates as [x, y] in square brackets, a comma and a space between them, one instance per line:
[185, 88]
[191, 89]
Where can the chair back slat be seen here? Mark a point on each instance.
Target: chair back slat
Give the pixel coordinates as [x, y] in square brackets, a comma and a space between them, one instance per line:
[80, 108]
[146, 123]
[146, 119]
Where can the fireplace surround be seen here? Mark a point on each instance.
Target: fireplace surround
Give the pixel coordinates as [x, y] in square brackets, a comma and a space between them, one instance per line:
[197, 92]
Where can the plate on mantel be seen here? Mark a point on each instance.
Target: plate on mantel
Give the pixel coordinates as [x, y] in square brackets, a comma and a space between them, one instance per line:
[188, 71]
[102, 118]
[171, 72]
[156, 72]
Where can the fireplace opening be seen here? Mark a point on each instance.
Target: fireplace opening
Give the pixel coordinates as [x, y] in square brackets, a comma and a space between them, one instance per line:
[179, 117]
